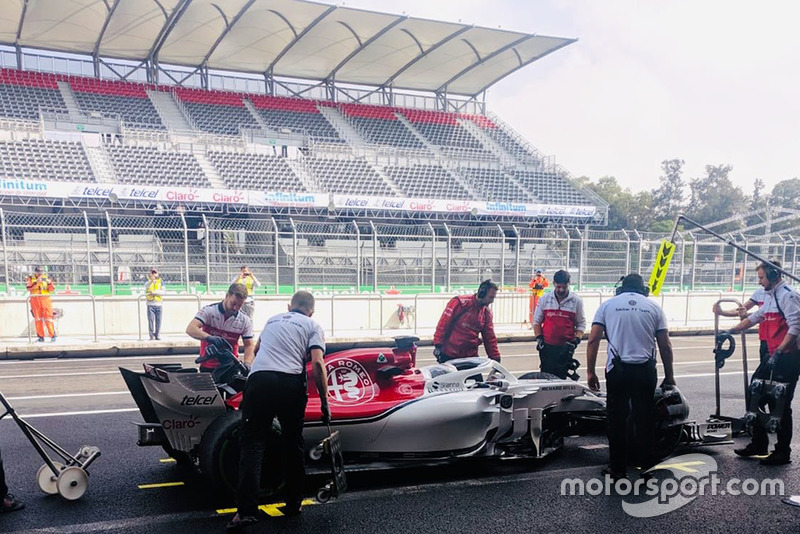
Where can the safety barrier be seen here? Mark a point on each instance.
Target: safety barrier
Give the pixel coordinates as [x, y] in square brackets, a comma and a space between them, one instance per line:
[340, 315]
[182, 296]
[68, 298]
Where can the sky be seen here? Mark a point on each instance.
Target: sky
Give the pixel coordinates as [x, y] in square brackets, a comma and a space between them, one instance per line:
[706, 81]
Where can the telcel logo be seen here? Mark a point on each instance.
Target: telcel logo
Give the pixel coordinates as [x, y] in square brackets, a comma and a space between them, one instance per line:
[198, 400]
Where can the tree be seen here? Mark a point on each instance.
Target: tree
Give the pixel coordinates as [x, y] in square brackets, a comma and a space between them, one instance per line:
[786, 194]
[626, 210]
[714, 197]
[668, 198]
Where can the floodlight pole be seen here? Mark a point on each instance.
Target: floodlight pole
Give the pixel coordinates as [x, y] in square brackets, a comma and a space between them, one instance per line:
[731, 243]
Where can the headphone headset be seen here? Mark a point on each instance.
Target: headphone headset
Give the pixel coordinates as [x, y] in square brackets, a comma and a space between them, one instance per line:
[618, 289]
[772, 274]
[483, 289]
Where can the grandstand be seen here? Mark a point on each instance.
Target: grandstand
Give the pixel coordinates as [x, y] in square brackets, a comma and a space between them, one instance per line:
[392, 125]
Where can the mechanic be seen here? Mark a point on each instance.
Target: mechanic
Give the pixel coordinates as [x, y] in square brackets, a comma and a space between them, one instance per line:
[756, 299]
[558, 324]
[154, 294]
[465, 320]
[41, 287]
[536, 287]
[249, 280]
[276, 386]
[633, 325]
[221, 325]
[9, 502]
[780, 315]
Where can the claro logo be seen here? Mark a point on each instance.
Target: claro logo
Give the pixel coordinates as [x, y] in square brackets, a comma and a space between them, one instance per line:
[198, 400]
[180, 424]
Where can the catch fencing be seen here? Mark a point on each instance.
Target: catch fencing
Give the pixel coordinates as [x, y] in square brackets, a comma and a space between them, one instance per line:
[105, 253]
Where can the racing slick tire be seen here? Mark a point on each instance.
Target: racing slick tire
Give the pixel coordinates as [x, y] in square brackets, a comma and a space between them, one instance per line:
[219, 456]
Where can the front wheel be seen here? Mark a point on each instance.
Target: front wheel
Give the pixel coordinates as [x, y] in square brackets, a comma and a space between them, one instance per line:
[219, 456]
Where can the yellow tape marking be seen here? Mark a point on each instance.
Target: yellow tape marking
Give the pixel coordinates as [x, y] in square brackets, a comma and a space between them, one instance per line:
[270, 509]
[162, 485]
[167, 460]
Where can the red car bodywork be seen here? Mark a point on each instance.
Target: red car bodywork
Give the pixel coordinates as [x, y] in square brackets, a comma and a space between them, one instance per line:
[363, 383]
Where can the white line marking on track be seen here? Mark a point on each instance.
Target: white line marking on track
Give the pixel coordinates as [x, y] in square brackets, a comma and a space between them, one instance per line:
[68, 395]
[88, 360]
[45, 375]
[87, 412]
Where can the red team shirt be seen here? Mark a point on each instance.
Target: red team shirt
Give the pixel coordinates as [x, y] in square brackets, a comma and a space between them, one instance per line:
[215, 324]
[778, 315]
[559, 320]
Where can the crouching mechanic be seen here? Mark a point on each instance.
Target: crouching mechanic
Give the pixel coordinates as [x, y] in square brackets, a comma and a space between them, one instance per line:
[277, 387]
[558, 324]
[465, 320]
[221, 325]
[633, 325]
[779, 318]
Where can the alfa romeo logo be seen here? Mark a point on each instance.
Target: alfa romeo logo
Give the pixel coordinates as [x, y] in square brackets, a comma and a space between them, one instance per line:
[349, 383]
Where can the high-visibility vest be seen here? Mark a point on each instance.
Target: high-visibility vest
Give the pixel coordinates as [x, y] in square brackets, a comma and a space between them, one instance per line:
[42, 286]
[248, 283]
[155, 285]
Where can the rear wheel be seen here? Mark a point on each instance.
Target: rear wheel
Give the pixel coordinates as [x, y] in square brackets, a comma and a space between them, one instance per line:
[219, 456]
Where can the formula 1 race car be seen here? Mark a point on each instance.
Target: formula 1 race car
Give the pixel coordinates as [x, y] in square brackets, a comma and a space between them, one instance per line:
[387, 409]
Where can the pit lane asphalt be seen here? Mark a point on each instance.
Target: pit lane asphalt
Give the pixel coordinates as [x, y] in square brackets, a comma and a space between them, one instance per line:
[80, 402]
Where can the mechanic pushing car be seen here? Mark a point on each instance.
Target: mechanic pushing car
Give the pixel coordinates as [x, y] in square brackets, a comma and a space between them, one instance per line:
[633, 325]
[779, 318]
[276, 387]
[221, 324]
[465, 320]
[558, 324]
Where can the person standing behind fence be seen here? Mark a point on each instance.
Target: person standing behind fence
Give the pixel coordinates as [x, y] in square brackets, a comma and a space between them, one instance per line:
[41, 287]
[154, 292]
[536, 287]
[248, 280]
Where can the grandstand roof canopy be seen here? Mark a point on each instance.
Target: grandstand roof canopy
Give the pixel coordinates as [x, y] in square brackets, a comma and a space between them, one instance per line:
[287, 38]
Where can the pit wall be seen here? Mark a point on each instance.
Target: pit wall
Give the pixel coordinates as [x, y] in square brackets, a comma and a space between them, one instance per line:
[339, 315]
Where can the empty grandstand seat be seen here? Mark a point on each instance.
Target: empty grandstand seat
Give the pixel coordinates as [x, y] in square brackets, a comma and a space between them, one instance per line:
[299, 115]
[22, 93]
[128, 100]
[427, 181]
[218, 112]
[441, 128]
[552, 188]
[495, 185]
[354, 177]
[45, 160]
[255, 171]
[144, 165]
[504, 139]
[379, 125]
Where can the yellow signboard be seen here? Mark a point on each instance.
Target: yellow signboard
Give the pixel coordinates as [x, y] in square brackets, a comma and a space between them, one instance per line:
[659, 273]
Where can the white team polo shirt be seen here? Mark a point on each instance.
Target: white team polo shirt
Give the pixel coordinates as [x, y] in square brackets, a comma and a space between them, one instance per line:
[631, 322]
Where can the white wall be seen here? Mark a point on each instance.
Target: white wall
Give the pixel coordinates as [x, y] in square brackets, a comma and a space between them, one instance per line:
[340, 315]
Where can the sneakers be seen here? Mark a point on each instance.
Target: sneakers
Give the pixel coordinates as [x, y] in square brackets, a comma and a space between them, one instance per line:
[40, 340]
[11, 504]
[777, 458]
[53, 339]
[751, 450]
[241, 521]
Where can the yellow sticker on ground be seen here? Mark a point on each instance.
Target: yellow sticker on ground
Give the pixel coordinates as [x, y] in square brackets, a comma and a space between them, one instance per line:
[161, 485]
[272, 509]
[659, 273]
